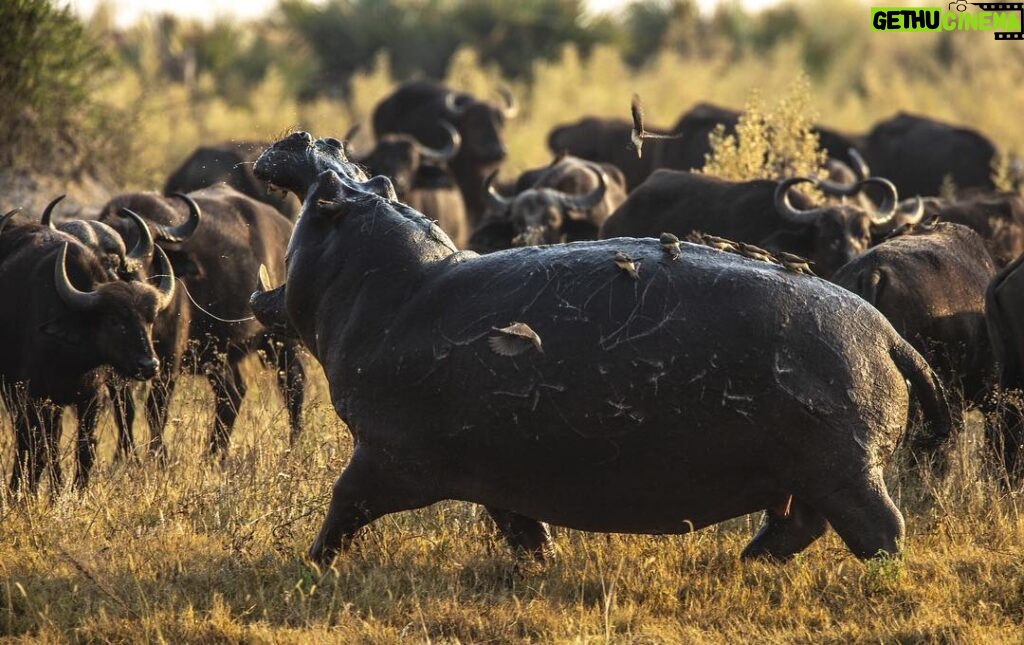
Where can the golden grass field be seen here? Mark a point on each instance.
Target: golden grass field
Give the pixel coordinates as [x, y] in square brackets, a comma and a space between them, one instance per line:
[202, 552]
[199, 551]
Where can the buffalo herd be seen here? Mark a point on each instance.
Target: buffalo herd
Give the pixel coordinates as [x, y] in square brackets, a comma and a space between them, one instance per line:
[613, 342]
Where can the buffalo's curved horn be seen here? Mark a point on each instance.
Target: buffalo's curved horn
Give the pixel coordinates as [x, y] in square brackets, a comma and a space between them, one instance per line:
[6, 218]
[47, 219]
[887, 209]
[511, 108]
[494, 198]
[858, 165]
[72, 297]
[912, 210]
[166, 273]
[143, 249]
[589, 200]
[451, 105]
[449, 151]
[181, 232]
[786, 209]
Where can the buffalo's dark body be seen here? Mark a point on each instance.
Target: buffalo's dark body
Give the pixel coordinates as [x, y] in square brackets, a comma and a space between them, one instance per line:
[53, 353]
[917, 153]
[931, 286]
[229, 162]
[1004, 312]
[998, 218]
[682, 202]
[605, 141]
[642, 413]
[218, 265]
[418, 107]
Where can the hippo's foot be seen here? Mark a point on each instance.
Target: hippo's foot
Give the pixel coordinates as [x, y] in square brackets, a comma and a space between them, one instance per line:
[363, 493]
[864, 516]
[787, 530]
[524, 535]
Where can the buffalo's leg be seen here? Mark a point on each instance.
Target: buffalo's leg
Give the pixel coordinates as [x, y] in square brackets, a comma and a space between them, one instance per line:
[1006, 441]
[28, 450]
[363, 493]
[228, 391]
[864, 517]
[88, 414]
[523, 534]
[782, 535]
[157, 402]
[124, 419]
[291, 381]
[43, 435]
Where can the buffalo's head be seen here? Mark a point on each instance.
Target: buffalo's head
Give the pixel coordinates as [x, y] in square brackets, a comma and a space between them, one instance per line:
[400, 156]
[834, 234]
[542, 215]
[481, 125]
[112, 322]
[107, 243]
[295, 162]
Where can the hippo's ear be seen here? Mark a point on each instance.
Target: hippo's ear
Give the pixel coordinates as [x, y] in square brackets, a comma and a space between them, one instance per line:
[382, 186]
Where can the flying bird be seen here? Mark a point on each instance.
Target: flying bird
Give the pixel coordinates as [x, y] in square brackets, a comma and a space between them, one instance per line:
[627, 264]
[514, 340]
[638, 134]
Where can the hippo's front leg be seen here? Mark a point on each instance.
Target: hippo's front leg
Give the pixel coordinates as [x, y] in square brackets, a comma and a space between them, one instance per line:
[365, 491]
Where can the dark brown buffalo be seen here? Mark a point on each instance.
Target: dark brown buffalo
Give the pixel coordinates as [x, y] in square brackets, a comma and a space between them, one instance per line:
[548, 384]
[931, 284]
[170, 329]
[418, 107]
[566, 201]
[762, 212]
[917, 153]
[61, 319]
[997, 217]
[1004, 311]
[605, 140]
[421, 178]
[216, 259]
[229, 162]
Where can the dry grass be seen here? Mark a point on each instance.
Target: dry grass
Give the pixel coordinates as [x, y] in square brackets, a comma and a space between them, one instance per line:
[197, 552]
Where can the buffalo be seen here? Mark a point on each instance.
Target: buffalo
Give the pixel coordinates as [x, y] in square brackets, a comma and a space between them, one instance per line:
[215, 259]
[551, 384]
[565, 202]
[62, 320]
[762, 212]
[931, 285]
[604, 140]
[918, 153]
[686, 148]
[231, 163]
[997, 217]
[1004, 313]
[421, 177]
[418, 107]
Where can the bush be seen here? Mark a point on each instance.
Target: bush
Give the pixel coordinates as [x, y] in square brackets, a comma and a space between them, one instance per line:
[49, 66]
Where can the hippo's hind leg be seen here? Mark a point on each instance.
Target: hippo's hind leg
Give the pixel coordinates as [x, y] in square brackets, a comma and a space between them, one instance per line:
[364, 492]
[864, 516]
[786, 532]
[522, 533]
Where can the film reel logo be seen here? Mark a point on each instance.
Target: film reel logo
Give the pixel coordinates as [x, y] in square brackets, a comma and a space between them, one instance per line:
[996, 6]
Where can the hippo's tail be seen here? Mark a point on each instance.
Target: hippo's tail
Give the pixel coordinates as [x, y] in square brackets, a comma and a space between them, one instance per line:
[925, 386]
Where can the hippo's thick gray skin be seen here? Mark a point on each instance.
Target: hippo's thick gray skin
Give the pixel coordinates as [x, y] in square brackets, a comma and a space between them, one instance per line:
[711, 387]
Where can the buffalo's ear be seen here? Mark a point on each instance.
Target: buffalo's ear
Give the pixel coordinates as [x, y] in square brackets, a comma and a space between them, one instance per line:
[66, 329]
[579, 230]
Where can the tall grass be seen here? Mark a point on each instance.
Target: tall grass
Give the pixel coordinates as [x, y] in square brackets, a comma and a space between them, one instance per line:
[201, 552]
